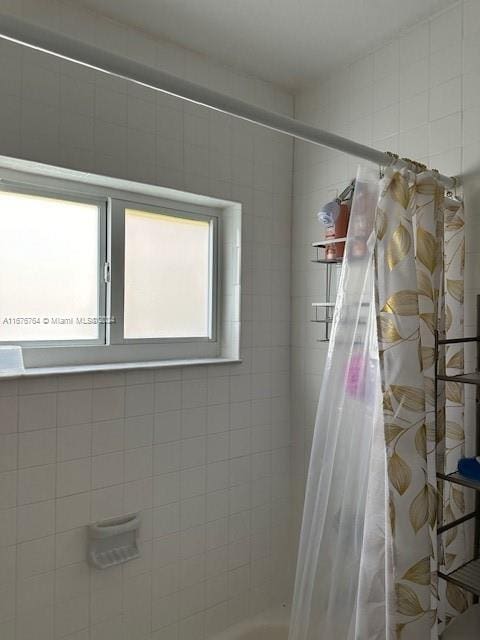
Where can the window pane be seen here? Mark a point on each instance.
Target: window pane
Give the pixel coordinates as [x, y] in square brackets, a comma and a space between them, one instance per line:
[49, 268]
[167, 276]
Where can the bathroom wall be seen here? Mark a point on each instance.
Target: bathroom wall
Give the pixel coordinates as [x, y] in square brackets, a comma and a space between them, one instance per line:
[202, 452]
[418, 96]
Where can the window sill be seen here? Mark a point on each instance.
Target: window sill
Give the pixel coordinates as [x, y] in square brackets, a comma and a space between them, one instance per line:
[115, 366]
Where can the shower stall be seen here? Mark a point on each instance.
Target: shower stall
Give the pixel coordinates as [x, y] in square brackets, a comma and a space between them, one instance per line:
[221, 495]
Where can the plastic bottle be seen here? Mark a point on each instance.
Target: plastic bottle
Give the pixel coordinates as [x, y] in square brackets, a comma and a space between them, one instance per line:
[328, 215]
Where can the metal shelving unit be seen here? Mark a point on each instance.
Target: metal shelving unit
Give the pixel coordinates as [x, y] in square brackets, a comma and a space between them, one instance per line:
[323, 311]
[457, 478]
[468, 575]
[464, 378]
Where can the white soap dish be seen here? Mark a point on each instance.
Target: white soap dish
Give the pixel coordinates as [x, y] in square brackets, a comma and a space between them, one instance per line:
[113, 541]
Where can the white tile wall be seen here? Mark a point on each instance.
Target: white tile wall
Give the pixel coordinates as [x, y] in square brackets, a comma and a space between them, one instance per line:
[418, 96]
[202, 452]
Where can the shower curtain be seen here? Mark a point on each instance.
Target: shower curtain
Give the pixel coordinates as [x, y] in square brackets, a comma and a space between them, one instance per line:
[367, 558]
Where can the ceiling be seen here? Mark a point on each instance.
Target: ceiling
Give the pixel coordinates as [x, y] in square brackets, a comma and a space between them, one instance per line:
[289, 42]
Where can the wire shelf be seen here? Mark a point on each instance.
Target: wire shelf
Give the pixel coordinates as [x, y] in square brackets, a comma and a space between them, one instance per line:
[467, 577]
[464, 378]
[459, 340]
[323, 244]
[457, 478]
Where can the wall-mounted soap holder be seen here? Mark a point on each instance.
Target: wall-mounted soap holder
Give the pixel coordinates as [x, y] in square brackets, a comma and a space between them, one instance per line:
[113, 541]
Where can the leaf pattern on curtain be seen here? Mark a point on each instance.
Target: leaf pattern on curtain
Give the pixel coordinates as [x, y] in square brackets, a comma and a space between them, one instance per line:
[429, 228]
[409, 257]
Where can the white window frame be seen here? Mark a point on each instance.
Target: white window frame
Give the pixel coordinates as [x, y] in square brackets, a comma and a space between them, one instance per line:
[43, 358]
[117, 267]
[13, 187]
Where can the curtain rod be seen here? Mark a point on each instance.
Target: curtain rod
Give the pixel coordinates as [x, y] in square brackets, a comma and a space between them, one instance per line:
[35, 37]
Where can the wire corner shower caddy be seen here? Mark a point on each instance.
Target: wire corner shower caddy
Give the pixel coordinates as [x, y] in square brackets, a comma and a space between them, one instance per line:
[323, 311]
[467, 576]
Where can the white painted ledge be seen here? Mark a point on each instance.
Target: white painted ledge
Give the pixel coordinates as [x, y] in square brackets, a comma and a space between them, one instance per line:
[115, 366]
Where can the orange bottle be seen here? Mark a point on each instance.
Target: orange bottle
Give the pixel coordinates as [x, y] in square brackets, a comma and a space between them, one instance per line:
[341, 227]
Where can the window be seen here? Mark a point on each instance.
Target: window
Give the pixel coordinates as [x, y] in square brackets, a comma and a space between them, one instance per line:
[50, 255]
[168, 282]
[94, 273]
[167, 276]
